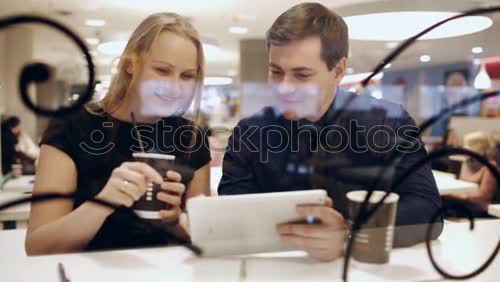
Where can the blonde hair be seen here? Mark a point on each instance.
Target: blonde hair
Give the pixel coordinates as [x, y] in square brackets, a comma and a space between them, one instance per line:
[494, 138]
[478, 142]
[140, 42]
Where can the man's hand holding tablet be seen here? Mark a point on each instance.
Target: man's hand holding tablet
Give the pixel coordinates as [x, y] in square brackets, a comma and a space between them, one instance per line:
[322, 239]
[244, 224]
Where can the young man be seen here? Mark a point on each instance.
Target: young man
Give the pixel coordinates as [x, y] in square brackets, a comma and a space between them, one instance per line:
[349, 137]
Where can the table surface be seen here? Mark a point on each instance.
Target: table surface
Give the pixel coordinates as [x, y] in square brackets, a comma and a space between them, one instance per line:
[457, 249]
[448, 185]
[23, 184]
[494, 210]
[442, 173]
[17, 213]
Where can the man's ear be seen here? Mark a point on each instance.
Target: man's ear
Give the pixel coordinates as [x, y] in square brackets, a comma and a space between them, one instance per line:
[340, 68]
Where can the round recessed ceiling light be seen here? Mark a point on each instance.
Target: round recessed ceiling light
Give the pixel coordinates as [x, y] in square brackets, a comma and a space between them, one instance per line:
[95, 22]
[112, 48]
[388, 26]
[425, 58]
[477, 50]
[238, 30]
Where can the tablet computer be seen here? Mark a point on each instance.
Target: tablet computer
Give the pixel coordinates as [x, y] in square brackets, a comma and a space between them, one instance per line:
[244, 224]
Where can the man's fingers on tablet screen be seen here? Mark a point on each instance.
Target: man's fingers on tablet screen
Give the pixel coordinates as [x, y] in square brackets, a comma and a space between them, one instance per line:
[325, 214]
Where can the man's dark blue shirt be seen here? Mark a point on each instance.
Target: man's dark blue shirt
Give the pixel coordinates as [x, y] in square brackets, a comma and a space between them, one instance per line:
[344, 151]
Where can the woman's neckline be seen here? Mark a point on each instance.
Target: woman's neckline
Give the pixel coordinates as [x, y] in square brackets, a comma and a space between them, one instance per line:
[131, 123]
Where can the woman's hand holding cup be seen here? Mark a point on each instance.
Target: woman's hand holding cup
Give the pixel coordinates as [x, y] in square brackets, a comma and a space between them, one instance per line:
[128, 183]
[172, 193]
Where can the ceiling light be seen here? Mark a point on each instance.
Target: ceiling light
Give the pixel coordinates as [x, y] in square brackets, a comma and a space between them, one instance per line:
[92, 40]
[425, 58]
[387, 26]
[392, 44]
[238, 30]
[95, 22]
[388, 66]
[218, 80]
[112, 48]
[477, 50]
[482, 80]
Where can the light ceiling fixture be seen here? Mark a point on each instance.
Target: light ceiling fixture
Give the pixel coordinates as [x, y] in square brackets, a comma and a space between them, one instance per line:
[238, 30]
[392, 44]
[388, 66]
[218, 80]
[477, 50]
[95, 22]
[112, 48]
[482, 80]
[92, 40]
[388, 26]
[425, 58]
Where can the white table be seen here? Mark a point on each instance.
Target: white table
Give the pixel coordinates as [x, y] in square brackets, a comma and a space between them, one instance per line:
[438, 173]
[23, 184]
[494, 210]
[448, 185]
[19, 214]
[459, 249]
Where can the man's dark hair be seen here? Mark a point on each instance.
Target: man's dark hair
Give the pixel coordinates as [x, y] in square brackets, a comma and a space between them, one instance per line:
[312, 19]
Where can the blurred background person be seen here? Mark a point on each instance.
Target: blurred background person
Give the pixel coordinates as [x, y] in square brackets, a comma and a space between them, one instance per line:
[446, 164]
[478, 142]
[10, 135]
[472, 170]
[17, 147]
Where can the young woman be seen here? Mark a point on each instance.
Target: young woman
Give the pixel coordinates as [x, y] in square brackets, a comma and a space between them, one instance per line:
[89, 153]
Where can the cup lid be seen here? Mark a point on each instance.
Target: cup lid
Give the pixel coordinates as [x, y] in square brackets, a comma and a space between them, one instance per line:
[153, 156]
[360, 195]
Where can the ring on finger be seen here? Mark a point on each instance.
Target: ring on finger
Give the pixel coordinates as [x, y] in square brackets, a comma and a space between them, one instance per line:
[124, 185]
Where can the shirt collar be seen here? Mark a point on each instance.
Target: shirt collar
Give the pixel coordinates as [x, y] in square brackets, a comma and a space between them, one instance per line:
[339, 102]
